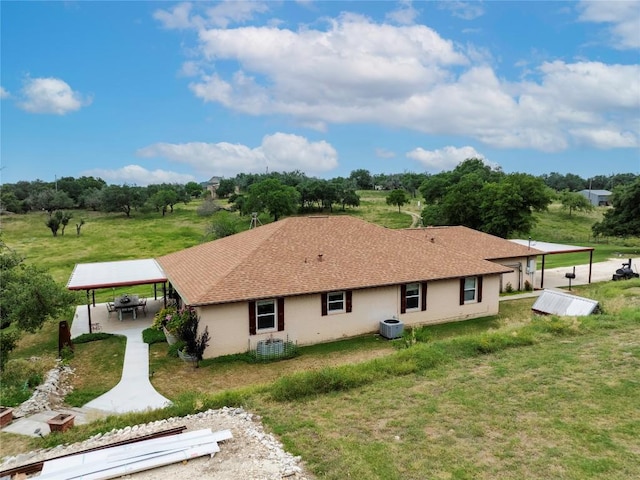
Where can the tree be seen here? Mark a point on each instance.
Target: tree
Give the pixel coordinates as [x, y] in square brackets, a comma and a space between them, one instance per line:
[28, 297]
[624, 218]
[193, 189]
[412, 181]
[272, 196]
[397, 197]
[575, 201]
[362, 179]
[227, 187]
[116, 198]
[50, 200]
[483, 199]
[57, 220]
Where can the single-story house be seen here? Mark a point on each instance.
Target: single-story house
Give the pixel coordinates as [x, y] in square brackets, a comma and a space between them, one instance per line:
[322, 278]
[598, 198]
[520, 259]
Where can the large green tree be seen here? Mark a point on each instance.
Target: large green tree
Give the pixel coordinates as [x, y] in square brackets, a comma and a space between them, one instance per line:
[362, 178]
[486, 199]
[28, 298]
[272, 196]
[624, 218]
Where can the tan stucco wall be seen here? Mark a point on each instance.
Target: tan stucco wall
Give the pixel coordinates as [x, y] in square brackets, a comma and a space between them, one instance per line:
[512, 277]
[229, 324]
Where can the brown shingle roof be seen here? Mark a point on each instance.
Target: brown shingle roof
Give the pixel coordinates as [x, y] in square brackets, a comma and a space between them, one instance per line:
[283, 258]
[472, 242]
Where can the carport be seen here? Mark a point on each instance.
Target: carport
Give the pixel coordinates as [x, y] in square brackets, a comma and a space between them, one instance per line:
[123, 273]
[554, 249]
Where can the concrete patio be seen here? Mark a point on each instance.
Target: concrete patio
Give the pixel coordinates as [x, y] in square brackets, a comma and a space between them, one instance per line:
[108, 322]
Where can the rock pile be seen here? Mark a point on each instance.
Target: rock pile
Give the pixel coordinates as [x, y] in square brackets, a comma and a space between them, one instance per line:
[250, 454]
[50, 394]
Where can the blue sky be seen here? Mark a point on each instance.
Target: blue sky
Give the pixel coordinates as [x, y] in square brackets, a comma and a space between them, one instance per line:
[151, 92]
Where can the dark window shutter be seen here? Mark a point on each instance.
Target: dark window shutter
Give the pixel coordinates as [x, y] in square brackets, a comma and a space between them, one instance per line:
[323, 299]
[423, 287]
[403, 298]
[348, 294]
[462, 291]
[280, 314]
[252, 318]
[479, 289]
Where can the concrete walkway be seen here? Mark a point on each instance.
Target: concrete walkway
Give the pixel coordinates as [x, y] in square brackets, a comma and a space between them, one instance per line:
[134, 392]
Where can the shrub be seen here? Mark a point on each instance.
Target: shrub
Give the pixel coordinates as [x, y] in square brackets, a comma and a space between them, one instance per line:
[508, 288]
[527, 286]
[91, 337]
[207, 208]
[153, 335]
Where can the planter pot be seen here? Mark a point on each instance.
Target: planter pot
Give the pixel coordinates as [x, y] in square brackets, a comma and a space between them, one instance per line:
[171, 338]
[6, 416]
[61, 423]
[186, 357]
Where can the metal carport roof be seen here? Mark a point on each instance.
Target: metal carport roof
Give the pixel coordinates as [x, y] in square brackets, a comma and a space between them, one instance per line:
[91, 276]
[549, 248]
[122, 273]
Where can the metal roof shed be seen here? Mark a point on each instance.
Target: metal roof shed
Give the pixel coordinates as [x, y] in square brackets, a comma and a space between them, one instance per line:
[548, 248]
[92, 276]
[554, 302]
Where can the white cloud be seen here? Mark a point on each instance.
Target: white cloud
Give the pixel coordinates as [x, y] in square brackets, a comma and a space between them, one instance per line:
[384, 153]
[623, 17]
[51, 95]
[605, 138]
[409, 77]
[4, 93]
[140, 176]
[446, 158]
[463, 10]
[178, 18]
[405, 14]
[221, 15]
[278, 152]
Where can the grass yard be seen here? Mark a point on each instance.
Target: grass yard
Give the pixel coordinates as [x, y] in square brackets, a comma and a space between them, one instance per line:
[566, 408]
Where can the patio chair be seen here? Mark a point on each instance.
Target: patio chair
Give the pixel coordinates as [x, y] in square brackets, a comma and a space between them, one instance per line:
[111, 308]
[142, 305]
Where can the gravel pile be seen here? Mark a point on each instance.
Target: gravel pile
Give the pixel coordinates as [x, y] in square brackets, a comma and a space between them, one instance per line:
[252, 454]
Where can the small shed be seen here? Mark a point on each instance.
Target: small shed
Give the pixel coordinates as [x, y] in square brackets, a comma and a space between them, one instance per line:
[555, 302]
[598, 198]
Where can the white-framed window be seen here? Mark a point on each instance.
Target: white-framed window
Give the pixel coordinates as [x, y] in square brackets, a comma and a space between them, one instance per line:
[470, 287]
[335, 302]
[266, 315]
[412, 296]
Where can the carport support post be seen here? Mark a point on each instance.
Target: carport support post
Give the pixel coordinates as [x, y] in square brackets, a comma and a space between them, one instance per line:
[590, 263]
[542, 273]
[89, 310]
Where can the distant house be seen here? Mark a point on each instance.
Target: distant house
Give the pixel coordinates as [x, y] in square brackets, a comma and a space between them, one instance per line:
[599, 198]
[317, 279]
[212, 186]
[520, 259]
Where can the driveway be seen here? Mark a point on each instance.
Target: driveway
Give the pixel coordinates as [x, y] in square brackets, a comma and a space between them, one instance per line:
[600, 272]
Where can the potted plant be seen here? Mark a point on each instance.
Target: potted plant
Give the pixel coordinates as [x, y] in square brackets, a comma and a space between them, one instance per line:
[195, 344]
[168, 320]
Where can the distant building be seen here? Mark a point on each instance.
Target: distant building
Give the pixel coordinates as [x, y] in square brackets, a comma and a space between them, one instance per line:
[212, 186]
[599, 198]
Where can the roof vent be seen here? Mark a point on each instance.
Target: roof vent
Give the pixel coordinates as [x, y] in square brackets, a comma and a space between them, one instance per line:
[319, 257]
[433, 240]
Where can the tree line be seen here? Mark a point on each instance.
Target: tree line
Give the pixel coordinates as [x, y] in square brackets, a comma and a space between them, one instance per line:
[472, 194]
